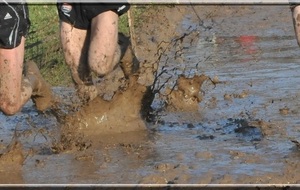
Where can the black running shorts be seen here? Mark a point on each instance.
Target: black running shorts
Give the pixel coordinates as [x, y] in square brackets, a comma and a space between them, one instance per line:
[80, 15]
[14, 23]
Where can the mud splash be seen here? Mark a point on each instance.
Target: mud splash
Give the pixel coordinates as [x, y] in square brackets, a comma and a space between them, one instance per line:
[11, 161]
[187, 95]
[125, 104]
[244, 130]
[99, 117]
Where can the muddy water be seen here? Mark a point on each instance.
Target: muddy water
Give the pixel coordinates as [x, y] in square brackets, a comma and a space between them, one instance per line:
[241, 132]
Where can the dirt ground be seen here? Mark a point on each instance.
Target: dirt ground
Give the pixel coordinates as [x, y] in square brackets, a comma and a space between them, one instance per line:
[214, 101]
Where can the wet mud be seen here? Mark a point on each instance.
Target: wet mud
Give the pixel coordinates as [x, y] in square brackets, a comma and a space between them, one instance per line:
[213, 100]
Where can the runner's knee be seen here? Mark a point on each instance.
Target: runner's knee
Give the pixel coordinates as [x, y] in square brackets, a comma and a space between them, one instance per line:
[105, 64]
[9, 108]
[102, 67]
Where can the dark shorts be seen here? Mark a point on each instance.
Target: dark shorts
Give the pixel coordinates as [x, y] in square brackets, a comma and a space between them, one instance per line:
[14, 23]
[80, 15]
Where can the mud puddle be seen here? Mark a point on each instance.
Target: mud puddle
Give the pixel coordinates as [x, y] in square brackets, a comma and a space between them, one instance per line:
[240, 132]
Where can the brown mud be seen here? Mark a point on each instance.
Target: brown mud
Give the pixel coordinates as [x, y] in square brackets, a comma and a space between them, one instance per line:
[212, 100]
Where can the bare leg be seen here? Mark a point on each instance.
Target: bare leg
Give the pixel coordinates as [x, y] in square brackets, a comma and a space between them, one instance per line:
[75, 42]
[75, 50]
[296, 21]
[13, 92]
[97, 51]
[104, 52]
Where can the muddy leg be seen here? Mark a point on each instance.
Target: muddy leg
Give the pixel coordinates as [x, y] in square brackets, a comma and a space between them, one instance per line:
[42, 94]
[296, 20]
[129, 63]
[75, 42]
[12, 98]
[104, 52]
[15, 91]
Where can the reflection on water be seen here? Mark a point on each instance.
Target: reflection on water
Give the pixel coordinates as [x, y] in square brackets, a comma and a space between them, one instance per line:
[262, 63]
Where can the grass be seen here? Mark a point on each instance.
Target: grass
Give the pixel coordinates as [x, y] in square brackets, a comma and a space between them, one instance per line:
[43, 44]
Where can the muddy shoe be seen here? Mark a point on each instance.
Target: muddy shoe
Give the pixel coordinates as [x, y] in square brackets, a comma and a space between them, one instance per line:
[42, 95]
[129, 63]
